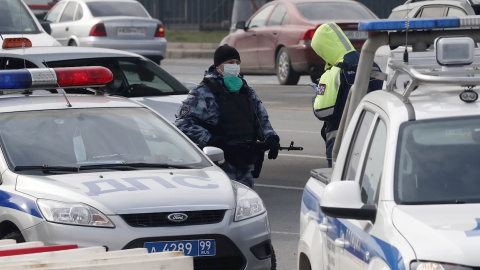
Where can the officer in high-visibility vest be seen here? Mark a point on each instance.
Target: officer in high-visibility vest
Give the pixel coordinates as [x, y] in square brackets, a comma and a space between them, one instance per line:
[341, 60]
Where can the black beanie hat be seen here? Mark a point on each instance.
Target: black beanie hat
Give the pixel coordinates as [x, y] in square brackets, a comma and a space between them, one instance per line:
[225, 53]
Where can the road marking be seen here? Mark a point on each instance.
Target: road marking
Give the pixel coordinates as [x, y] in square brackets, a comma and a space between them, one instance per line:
[290, 233]
[277, 186]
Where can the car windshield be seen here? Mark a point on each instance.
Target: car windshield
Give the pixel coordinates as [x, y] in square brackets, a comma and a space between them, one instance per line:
[132, 77]
[99, 138]
[16, 19]
[437, 162]
[112, 8]
[334, 11]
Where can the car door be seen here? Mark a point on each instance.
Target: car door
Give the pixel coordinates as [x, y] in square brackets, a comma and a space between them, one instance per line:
[246, 41]
[267, 37]
[348, 240]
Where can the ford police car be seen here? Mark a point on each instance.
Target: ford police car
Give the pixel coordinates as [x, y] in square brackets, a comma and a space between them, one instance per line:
[95, 170]
[404, 192]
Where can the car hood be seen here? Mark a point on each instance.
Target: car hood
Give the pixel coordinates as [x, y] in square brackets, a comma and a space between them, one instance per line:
[142, 191]
[167, 106]
[445, 233]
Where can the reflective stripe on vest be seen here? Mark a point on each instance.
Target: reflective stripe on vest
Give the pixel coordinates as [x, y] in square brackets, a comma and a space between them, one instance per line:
[325, 102]
[341, 37]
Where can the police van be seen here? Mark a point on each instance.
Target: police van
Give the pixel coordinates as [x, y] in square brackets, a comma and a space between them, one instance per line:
[97, 170]
[404, 191]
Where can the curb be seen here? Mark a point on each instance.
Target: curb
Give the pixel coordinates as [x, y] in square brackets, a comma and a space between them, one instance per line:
[190, 50]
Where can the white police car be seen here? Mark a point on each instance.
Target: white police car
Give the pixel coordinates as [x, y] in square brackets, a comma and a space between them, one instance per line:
[108, 171]
[404, 192]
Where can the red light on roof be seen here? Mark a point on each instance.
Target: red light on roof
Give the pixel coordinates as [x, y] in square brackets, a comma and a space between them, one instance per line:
[98, 30]
[160, 32]
[83, 76]
[16, 43]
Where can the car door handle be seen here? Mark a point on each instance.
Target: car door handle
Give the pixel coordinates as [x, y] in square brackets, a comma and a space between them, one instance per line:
[341, 243]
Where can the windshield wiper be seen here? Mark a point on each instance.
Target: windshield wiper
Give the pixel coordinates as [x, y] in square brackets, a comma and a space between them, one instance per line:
[158, 165]
[131, 166]
[46, 168]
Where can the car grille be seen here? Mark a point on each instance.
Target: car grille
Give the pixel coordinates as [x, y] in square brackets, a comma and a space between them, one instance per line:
[228, 256]
[161, 220]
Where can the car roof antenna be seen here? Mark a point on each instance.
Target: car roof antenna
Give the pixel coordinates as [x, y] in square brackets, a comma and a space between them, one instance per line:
[405, 53]
[63, 91]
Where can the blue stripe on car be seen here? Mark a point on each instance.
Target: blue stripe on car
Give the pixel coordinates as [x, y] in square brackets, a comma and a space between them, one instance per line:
[360, 241]
[20, 203]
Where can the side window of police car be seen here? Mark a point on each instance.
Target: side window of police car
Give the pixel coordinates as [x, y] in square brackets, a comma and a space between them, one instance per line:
[371, 144]
[357, 147]
[372, 171]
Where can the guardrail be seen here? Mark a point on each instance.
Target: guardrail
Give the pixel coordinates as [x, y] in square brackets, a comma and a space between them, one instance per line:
[35, 255]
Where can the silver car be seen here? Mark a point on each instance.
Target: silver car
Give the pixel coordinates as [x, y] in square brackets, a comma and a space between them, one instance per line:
[116, 24]
[135, 76]
[97, 170]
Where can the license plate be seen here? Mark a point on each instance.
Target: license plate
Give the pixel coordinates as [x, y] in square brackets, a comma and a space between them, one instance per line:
[123, 31]
[356, 34]
[203, 247]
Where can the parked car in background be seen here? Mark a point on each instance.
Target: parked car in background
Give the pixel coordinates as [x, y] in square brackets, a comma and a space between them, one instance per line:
[135, 76]
[40, 7]
[435, 9]
[18, 20]
[276, 39]
[115, 24]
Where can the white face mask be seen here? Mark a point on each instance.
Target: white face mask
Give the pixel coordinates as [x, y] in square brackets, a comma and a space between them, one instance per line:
[231, 70]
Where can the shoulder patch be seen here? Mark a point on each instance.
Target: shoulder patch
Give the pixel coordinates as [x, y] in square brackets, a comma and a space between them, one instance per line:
[183, 110]
[321, 89]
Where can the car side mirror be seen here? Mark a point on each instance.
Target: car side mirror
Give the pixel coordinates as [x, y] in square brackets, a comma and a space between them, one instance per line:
[215, 154]
[46, 27]
[341, 199]
[240, 25]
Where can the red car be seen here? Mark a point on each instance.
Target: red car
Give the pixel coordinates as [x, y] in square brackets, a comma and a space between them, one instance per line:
[276, 39]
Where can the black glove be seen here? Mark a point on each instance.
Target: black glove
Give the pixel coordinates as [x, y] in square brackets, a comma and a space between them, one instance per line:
[218, 141]
[273, 144]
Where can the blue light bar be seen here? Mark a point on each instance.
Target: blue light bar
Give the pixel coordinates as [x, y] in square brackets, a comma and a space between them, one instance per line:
[18, 79]
[385, 25]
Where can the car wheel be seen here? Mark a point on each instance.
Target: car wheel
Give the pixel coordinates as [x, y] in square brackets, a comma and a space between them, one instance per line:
[16, 235]
[273, 259]
[72, 43]
[285, 73]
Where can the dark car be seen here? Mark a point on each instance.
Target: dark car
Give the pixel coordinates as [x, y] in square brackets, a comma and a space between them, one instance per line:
[435, 9]
[276, 39]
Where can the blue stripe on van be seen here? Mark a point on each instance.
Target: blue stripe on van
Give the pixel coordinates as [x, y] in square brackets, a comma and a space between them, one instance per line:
[360, 241]
[20, 203]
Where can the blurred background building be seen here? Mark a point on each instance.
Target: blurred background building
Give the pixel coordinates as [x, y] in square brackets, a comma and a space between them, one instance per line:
[222, 14]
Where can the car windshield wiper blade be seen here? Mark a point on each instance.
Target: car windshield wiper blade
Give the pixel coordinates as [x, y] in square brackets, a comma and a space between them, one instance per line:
[107, 166]
[158, 165]
[46, 168]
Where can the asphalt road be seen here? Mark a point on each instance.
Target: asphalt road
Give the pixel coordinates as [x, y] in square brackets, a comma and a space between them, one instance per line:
[282, 180]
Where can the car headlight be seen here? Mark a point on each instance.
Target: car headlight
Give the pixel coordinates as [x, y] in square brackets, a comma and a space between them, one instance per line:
[437, 266]
[249, 203]
[73, 214]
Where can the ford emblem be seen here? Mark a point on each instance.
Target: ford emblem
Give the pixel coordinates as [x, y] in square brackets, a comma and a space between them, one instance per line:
[177, 217]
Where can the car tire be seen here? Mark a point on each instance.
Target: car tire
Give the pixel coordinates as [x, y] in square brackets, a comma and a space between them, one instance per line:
[72, 43]
[273, 259]
[16, 235]
[285, 73]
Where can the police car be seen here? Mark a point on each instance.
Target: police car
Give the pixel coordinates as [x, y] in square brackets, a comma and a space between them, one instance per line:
[404, 191]
[96, 170]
